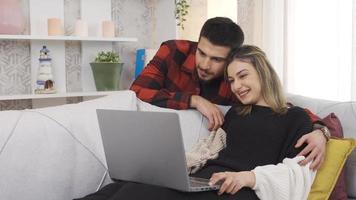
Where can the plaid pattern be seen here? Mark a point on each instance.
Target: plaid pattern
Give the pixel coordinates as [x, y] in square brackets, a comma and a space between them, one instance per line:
[313, 117]
[170, 78]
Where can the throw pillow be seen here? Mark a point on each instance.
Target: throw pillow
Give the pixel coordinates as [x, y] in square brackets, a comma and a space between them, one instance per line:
[334, 125]
[337, 151]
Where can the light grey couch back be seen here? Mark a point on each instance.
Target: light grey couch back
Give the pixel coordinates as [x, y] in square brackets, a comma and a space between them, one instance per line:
[346, 112]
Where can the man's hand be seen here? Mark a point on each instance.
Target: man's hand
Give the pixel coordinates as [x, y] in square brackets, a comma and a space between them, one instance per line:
[315, 148]
[232, 182]
[209, 110]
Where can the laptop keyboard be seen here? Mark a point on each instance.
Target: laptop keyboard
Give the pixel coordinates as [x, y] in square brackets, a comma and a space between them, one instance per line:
[198, 182]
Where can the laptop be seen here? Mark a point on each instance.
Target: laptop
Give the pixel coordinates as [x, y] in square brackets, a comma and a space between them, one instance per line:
[147, 147]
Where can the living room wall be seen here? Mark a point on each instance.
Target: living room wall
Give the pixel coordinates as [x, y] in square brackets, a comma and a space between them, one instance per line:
[132, 19]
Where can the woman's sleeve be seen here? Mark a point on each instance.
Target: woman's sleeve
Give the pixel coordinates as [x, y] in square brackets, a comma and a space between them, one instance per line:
[299, 124]
[228, 118]
[285, 181]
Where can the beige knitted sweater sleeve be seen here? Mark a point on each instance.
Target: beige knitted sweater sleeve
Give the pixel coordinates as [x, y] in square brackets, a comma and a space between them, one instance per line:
[206, 149]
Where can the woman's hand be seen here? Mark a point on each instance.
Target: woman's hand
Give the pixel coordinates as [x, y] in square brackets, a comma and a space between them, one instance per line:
[232, 182]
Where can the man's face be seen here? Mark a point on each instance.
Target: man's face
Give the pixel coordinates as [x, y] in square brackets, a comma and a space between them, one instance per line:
[210, 59]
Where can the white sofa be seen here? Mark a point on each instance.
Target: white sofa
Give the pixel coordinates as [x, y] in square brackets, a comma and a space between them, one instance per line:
[56, 153]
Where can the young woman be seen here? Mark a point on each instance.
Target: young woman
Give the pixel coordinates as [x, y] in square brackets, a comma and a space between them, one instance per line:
[261, 132]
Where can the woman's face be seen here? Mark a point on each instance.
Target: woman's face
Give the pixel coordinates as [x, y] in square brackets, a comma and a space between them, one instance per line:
[245, 82]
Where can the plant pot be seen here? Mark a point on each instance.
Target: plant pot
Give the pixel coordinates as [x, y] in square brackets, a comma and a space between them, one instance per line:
[107, 75]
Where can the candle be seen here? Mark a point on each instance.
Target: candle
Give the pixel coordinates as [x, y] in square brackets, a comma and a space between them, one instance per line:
[54, 27]
[108, 29]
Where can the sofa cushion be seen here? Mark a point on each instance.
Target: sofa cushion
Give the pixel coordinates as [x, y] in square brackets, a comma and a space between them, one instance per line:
[337, 152]
[351, 175]
[56, 152]
[334, 125]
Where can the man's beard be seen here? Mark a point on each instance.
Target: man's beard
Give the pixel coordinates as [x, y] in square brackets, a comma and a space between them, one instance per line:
[213, 77]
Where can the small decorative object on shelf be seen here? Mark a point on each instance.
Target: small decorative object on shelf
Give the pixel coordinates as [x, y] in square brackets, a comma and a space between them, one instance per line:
[107, 69]
[45, 82]
[54, 27]
[108, 28]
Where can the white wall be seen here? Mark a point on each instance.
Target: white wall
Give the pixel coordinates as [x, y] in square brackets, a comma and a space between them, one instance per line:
[250, 18]
[226, 8]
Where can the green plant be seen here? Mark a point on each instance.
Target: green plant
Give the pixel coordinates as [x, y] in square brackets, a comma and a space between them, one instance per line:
[181, 11]
[107, 57]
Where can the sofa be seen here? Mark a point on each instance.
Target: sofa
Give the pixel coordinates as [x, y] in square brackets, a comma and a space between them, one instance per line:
[56, 152]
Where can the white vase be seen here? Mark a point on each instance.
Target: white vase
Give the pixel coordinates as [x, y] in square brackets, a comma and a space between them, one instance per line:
[11, 17]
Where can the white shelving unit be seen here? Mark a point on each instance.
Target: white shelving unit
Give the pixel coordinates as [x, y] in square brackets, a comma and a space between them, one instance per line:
[67, 38]
[57, 95]
[94, 14]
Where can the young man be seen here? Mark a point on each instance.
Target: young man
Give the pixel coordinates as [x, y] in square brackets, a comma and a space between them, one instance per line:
[185, 74]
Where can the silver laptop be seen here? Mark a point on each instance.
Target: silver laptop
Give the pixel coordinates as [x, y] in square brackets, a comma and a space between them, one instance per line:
[147, 147]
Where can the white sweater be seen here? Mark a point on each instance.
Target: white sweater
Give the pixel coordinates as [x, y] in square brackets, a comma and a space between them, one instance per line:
[284, 181]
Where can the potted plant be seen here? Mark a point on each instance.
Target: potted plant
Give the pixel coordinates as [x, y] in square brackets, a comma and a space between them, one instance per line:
[107, 69]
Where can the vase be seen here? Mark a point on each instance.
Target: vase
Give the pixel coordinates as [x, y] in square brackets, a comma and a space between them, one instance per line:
[107, 75]
[11, 17]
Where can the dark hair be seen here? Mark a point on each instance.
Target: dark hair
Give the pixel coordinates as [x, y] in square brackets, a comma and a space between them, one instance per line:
[222, 31]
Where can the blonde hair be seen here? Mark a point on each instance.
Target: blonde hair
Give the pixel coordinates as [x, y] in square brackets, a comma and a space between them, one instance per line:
[271, 87]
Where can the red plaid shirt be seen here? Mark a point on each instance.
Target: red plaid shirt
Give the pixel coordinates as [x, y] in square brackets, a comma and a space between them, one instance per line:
[170, 78]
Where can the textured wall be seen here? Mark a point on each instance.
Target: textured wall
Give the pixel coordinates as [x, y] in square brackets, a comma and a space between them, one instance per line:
[15, 67]
[133, 18]
[72, 48]
[136, 19]
[249, 17]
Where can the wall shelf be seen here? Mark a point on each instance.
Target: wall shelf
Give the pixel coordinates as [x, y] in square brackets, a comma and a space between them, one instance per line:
[57, 95]
[67, 38]
[91, 12]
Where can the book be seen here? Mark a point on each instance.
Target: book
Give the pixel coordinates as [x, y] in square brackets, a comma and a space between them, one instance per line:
[140, 61]
[143, 56]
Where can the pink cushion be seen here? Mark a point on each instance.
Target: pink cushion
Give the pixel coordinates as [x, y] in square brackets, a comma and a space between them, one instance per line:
[334, 125]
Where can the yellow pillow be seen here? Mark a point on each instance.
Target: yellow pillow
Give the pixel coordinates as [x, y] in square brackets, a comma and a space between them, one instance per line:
[337, 151]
